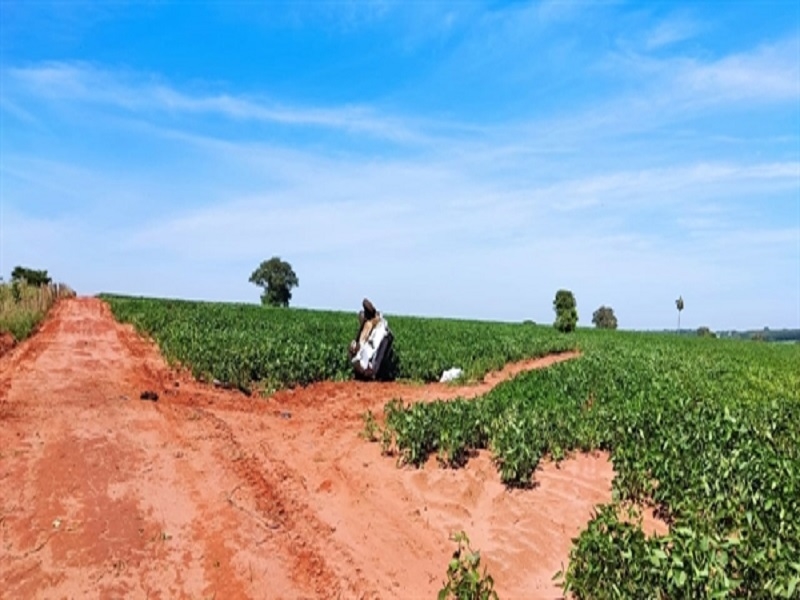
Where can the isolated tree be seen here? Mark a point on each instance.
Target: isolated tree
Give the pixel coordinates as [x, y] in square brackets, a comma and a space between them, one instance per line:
[30, 276]
[566, 311]
[705, 332]
[604, 318]
[679, 306]
[277, 278]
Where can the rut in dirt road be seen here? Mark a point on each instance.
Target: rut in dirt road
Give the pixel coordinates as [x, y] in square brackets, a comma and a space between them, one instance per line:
[104, 494]
[207, 492]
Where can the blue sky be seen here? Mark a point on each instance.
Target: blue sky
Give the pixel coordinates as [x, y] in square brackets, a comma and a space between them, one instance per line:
[460, 159]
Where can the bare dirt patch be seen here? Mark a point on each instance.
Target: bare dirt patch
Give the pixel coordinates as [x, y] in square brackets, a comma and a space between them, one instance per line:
[7, 342]
[206, 491]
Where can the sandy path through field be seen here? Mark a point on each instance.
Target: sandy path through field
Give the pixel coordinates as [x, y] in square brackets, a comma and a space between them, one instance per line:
[207, 493]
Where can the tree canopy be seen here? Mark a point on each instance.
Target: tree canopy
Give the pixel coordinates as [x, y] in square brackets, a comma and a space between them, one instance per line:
[604, 318]
[566, 311]
[679, 305]
[277, 278]
[30, 276]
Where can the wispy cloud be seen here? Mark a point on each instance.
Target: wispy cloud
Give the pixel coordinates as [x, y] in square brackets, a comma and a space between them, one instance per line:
[670, 31]
[770, 73]
[408, 214]
[12, 108]
[767, 74]
[671, 88]
[84, 83]
[626, 196]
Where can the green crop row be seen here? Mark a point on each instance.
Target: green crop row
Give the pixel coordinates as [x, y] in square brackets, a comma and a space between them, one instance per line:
[240, 344]
[707, 430]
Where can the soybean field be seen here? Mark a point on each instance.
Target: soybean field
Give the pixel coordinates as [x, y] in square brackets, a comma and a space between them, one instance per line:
[242, 344]
[707, 432]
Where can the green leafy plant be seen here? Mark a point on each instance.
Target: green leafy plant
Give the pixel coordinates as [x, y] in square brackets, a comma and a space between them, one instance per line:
[244, 345]
[707, 433]
[464, 578]
[371, 427]
[566, 311]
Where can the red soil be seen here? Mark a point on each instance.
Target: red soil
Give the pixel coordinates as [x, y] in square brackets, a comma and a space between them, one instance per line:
[7, 342]
[207, 493]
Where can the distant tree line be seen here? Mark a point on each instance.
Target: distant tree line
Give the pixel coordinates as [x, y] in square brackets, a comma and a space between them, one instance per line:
[766, 335]
[277, 278]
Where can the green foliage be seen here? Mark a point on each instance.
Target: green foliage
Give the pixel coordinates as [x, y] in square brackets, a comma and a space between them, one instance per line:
[277, 278]
[31, 277]
[16, 291]
[604, 318]
[464, 578]
[679, 305]
[767, 334]
[239, 344]
[20, 324]
[705, 332]
[707, 430]
[23, 306]
[598, 569]
[452, 430]
[566, 311]
[371, 427]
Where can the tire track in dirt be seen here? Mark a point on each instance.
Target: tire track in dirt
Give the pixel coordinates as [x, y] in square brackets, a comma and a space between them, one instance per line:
[276, 509]
[98, 497]
[209, 492]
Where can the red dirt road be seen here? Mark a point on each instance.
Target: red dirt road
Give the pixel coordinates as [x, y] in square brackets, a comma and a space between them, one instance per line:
[209, 494]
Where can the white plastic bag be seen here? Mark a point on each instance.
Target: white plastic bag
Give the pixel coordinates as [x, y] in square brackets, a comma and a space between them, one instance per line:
[451, 375]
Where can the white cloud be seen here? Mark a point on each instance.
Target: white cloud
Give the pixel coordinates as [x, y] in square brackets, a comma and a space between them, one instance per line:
[440, 239]
[670, 31]
[770, 73]
[467, 220]
[344, 252]
[6, 105]
[82, 82]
